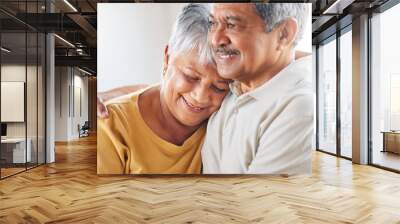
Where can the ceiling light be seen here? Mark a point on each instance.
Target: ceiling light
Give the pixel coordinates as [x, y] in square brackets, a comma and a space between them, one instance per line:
[337, 7]
[70, 5]
[65, 41]
[84, 71]
[5, 50]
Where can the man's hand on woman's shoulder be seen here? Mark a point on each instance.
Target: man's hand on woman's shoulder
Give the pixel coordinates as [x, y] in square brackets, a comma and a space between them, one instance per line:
[103, 97]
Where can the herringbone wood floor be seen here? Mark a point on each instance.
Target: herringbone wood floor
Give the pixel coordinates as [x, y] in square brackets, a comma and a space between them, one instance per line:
[69, 191]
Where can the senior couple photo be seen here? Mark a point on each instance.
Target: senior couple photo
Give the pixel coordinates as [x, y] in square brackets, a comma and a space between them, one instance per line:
[234, 94]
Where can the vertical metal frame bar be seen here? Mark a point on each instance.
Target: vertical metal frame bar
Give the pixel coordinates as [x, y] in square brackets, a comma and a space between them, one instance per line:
[26, 86]
[0, 95]
[338, 93]
[45, 89]
[37, 90]
[369, 88]
[69, 93]
[60, 86]
[317, 96]
[73, 91]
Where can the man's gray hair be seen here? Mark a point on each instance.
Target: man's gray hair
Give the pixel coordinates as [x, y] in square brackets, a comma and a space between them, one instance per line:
[275, 13]
[190, 32]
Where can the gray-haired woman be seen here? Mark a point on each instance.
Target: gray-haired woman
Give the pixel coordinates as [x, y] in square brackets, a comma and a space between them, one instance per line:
[160, 128]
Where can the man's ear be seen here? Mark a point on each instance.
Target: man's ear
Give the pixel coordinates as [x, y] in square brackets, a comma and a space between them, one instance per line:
[288, 30]
[166, 60]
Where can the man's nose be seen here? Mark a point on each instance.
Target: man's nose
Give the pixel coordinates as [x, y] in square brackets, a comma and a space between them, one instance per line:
[219, 37]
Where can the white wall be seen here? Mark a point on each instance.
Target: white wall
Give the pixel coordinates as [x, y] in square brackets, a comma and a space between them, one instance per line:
[305, 43]
[80, 103]
[314, 83]
[61, 103]
[33, 126]
[16, 73]
[131, 40]
[67, 115]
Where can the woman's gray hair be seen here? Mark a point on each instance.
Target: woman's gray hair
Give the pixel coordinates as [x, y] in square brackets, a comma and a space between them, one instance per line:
[190, 32]
[274, 13]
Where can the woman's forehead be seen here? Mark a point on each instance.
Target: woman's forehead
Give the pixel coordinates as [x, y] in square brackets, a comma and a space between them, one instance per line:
[193, 59]
[191, 62]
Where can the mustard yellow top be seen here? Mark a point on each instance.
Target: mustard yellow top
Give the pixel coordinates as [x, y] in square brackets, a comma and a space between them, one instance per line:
[126, 145]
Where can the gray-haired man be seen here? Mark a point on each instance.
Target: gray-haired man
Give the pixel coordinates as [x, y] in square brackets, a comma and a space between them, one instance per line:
[266, 124]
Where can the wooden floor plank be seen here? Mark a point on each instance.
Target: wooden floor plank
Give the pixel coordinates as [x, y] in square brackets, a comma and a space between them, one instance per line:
[69, 191]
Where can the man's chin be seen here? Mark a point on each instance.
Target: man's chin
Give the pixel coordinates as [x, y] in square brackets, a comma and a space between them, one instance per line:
[227, 73]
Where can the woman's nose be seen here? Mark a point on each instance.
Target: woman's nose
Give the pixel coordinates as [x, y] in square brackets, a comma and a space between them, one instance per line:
[201, 95]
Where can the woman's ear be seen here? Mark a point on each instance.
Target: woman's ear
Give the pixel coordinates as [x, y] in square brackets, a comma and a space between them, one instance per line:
[287, 33]
[166, 58]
